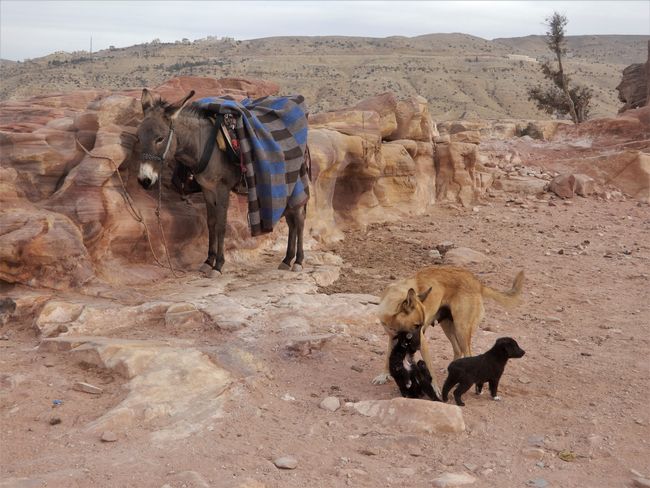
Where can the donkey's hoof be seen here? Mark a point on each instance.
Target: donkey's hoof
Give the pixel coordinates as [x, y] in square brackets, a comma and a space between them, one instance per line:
[284, 266]
[296, 267]
[208, 271]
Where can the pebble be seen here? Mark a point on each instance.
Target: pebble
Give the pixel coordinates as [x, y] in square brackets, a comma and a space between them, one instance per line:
[538, 483]
[524, 379]
[453, 479]
[288, 398]
[533, 453]
[108, 436]
[536, 440]
[471, 467]
[286, 462]
[87, 388]
[331, 403]
[55, 421]
[641, 482]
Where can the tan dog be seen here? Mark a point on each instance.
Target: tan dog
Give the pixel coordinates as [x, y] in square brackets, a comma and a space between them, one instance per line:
[452, 296]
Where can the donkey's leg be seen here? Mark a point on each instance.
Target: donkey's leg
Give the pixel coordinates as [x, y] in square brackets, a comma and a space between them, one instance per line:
[208, 266]
[291, 241]
[299, 222]
[216, 201]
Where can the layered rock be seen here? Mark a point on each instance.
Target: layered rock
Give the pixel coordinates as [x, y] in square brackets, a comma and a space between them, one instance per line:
[634, 88]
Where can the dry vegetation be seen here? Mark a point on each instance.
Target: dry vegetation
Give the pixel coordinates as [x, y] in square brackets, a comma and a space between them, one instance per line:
[460, 75]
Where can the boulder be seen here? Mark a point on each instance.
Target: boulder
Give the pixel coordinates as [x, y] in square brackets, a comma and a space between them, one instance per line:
[568, 185]
[412, 415]
[455, 172]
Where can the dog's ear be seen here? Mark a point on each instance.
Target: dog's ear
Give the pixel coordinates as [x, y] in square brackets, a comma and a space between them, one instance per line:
[409, 304]
[423, 296]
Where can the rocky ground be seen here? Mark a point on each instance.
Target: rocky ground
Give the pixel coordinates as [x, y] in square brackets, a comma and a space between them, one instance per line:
[209, 382]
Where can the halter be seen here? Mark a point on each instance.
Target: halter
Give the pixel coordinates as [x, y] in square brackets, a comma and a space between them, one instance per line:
[153, 157]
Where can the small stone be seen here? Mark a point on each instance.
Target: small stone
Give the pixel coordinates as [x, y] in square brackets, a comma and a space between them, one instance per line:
[55, 421]
[470, 467]
[356, 368]
[87, 388]
[286, 462]
[536, 440]
[288, 398]
[533, 453]
[108, 436]
[641, 482]
[538, 483]
[540, 464]
[567, 456]
[435, 254]
[487, 472]
[636, 474]
[453, 479]
[524, 379]
[331, 403]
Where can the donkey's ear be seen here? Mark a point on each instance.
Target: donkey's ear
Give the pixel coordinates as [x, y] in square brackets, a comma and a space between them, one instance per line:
[423, 296]
[175, 108]
[409, 303]
[149, 100]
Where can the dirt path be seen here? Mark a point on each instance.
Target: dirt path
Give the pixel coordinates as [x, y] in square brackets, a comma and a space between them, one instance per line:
[582, 389]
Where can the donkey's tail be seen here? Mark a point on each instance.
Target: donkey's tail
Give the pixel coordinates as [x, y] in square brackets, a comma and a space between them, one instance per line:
[508, 298]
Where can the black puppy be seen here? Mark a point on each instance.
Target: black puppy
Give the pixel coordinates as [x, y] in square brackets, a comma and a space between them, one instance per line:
[477, 370]
[413, 379]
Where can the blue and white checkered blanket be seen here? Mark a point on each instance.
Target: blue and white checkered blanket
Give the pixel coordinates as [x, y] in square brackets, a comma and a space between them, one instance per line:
[272, 133]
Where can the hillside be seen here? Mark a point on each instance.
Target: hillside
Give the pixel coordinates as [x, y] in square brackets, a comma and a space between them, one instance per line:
[460, 75]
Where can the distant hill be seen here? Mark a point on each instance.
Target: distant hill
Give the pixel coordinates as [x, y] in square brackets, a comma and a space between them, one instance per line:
[460, 75]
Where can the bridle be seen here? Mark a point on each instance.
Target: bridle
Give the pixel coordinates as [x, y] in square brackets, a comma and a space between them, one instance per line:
[152, 157]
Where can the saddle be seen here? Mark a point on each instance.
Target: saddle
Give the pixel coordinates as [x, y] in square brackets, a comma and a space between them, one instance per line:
[183, 179]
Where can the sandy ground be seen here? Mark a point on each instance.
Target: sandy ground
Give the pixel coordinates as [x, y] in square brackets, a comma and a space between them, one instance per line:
[581, 392]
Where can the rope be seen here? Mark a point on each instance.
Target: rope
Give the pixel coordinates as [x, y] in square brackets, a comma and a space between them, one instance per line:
[135, 213]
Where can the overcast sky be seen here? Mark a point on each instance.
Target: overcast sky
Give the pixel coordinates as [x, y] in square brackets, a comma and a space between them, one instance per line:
[30, 29]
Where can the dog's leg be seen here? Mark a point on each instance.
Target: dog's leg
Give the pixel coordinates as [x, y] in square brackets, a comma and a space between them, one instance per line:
[494, 385]
[449, 384]
[448, 328]
[479, 388]
[382, 378]
[458, 393]
[424, 350]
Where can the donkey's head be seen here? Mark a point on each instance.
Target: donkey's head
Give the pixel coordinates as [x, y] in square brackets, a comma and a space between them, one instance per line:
[156, 135]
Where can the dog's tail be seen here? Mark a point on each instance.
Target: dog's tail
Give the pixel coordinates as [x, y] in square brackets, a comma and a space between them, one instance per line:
[508, 298]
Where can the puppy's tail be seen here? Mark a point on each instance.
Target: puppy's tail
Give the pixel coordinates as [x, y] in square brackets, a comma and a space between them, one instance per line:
[508, 298]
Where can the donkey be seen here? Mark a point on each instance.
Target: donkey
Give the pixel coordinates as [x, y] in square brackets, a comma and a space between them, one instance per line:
[181, 132]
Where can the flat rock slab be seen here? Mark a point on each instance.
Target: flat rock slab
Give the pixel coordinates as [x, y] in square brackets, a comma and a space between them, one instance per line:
[447, 480]
[173, 390]
[413, 415]
[87, 388]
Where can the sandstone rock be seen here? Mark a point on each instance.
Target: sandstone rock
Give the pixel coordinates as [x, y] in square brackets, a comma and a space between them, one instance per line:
[330, 403]
[286, 462]
[469, 136]
[568, 185]
[455, 172]
[411, 415]
[305, 345]
[42, 249]
[447, 480]
[108, 436]
[632, 90]
[526, 185]
[641, 482]
[360, 123]
[533, 453]
[87, 388]
[178, 388]
[385, 105]
[462, 256]
[238, 88]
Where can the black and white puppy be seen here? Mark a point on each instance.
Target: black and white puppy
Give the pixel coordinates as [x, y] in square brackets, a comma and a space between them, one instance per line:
[413, 379]
[486, 367]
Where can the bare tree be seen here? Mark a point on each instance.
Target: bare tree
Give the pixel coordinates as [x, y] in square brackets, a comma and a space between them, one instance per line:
[559, 97]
